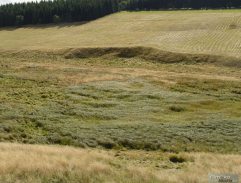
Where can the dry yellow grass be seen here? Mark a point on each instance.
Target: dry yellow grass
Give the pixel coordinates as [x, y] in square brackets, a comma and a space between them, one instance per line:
[37, 163]
[210, 32]
[204, 164]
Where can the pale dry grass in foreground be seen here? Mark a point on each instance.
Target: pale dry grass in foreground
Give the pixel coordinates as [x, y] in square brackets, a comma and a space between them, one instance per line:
[38, 163]
[204, 163]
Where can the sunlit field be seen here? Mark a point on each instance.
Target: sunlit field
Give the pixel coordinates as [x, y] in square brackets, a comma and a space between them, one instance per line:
[208, 31]
[131, 97]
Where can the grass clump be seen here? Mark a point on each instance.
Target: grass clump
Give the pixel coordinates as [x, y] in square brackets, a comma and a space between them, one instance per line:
[177, 159]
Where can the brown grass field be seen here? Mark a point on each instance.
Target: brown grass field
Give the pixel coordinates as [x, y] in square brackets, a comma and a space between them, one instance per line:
[36, 163]
[115, 99]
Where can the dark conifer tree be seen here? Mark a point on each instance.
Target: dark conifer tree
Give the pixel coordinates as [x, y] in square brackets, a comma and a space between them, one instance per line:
[84, 10]
[55, 11]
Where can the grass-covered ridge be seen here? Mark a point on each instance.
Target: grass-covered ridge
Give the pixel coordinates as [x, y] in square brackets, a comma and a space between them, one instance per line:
[151, 55]
[115, 102]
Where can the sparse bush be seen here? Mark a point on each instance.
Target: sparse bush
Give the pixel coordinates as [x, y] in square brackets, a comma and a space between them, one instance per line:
[66, 141]
[7, 129]
[57, 139]
[177, 159]
[107, 143]
[151, 146]
[126, 143]
[23, 135]
[39, 124]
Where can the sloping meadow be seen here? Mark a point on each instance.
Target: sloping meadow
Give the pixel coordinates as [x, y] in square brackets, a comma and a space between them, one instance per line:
[119, 102]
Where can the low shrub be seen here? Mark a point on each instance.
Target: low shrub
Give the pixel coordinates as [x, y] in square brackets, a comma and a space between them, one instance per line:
[177, 159]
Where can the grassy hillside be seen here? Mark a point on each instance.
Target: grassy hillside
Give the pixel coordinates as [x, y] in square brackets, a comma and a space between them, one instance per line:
[211, 32]
[160, 90]
[115, 102]
[41, 164]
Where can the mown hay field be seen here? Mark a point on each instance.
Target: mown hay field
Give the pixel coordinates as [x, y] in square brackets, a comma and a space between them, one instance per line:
[209, 31]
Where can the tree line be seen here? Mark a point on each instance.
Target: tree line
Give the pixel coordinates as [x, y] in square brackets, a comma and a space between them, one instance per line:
[181, 4]
[55, 11]
[84, 10]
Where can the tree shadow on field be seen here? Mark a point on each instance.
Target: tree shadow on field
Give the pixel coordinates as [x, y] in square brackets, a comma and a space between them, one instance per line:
[45, 26]
[50, 25]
